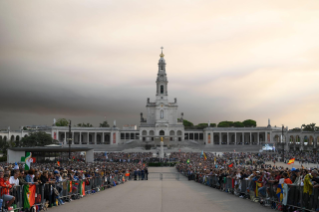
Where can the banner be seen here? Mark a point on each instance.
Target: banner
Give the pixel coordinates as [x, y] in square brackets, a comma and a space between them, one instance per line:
[29, 195]
[114, 138]
[82, 188]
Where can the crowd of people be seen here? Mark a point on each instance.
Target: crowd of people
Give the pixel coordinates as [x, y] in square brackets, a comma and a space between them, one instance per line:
[233, 166]
[123, 156]
[238, 166]
[14, 175]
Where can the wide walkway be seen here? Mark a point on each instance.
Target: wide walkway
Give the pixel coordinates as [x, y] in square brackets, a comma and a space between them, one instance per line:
[155, 195]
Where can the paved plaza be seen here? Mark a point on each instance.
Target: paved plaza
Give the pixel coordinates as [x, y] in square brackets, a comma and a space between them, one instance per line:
[167, 195]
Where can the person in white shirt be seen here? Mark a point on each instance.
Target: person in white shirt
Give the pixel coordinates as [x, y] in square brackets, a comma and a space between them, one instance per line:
[14, 179]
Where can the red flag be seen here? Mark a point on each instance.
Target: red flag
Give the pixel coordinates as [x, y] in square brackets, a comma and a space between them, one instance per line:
[58, 163]
[231, 165]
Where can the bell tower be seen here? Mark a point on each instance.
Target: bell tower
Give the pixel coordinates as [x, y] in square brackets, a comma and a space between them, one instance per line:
[161, 81]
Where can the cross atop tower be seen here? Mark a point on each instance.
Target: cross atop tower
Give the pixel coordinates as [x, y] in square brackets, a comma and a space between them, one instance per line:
[162, 55]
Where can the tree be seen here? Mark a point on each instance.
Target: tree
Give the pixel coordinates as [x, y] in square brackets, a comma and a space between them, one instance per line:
[37, 139]
[85, 125]
[187, 124]
[201, 126]
[62, 122]
[104, 124]
[296, 129]
[24, 128]
[212, 124]
[249, 123]
[309, 127]
[225, 124]
[238, 124]
[4, 145]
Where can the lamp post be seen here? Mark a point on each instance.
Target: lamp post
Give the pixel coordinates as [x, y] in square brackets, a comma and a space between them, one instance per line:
[70, 141]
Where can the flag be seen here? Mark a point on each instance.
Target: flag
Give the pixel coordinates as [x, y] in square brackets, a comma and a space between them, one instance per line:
[258, 185]
[205, 158]
[202, 154]
[291, 161]
[69, 186]
[139, 163]
[279, 192]
[105, 154]
[231, 165]
[188, 161]
[29, 195]
[58, 162]
[28, 159]
[82, 188]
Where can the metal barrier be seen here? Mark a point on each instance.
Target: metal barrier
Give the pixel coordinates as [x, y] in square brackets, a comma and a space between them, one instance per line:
[62, 191]
[296, 198]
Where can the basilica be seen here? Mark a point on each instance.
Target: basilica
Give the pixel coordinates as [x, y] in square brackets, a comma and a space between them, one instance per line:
[162, 120]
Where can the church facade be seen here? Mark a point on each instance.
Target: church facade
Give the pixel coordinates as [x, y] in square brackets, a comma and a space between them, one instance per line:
[163, 120]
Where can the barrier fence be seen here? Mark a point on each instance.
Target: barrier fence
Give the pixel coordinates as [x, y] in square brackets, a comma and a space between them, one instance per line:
[280, 197]
[50, 193]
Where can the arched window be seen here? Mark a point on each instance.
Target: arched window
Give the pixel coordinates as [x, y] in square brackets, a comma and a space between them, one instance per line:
[162, 114]
[162, 89]
[162, 132]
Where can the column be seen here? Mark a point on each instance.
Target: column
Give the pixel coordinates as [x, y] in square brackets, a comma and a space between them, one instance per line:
[265, 138]
[95, 138]
[243, 138]
[257, 138]
[227, 138]
[220, 138]
[235, 138]
[73, 138]
[88, 138]
[64, 142]
[57, 136]
[103, 138]
[80, 139]
[250, 140]
[212, 138]
[287, 140]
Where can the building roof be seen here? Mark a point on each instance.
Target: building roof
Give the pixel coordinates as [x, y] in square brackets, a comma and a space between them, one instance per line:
[50, 148]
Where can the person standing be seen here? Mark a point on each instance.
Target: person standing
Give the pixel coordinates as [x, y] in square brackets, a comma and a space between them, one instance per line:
[146, 173]
[142, 174]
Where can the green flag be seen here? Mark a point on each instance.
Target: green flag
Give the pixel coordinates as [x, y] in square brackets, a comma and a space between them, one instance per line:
[188, 161]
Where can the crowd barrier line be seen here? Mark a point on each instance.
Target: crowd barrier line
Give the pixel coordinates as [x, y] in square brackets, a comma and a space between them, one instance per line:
[248, 189]
[52, 192]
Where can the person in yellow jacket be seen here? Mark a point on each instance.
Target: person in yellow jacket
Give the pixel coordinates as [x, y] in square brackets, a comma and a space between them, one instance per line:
[307, 187]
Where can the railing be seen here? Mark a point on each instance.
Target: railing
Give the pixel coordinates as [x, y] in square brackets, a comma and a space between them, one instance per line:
[49, 194]
[276, 196]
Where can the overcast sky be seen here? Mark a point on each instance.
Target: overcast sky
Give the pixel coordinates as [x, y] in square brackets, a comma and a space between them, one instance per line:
[90, 61]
